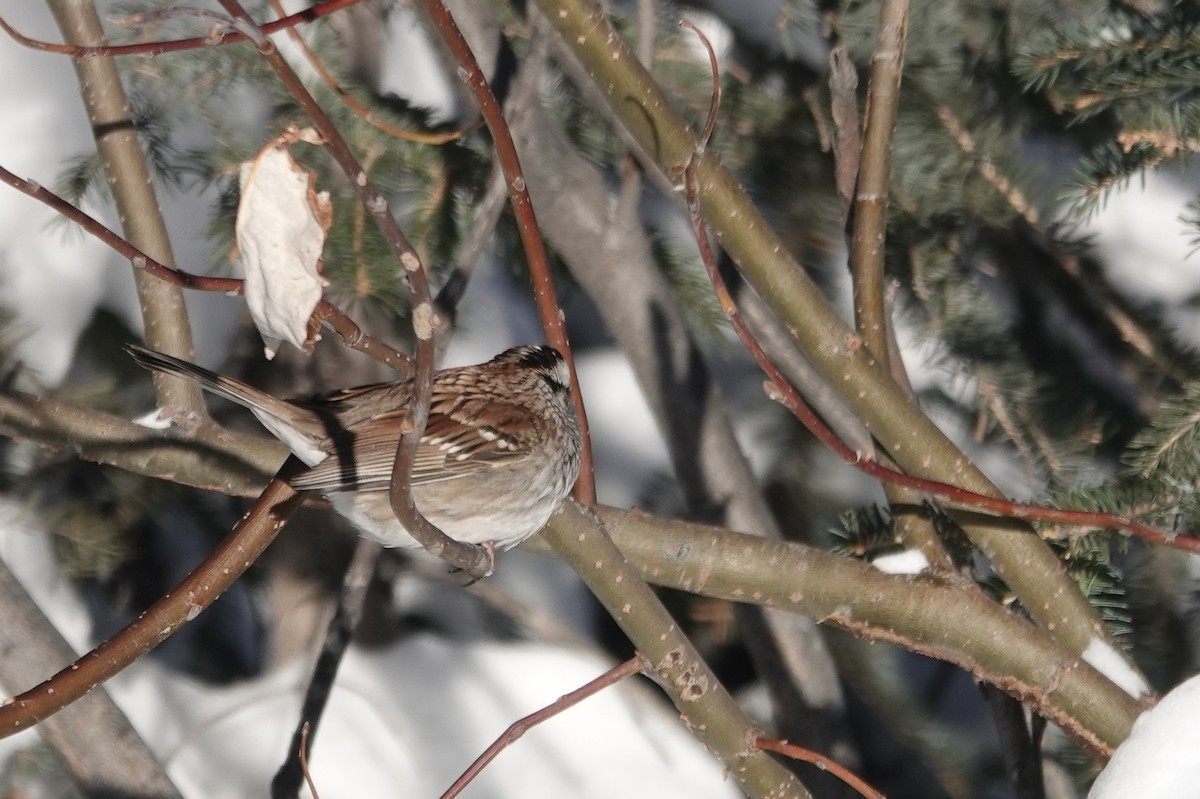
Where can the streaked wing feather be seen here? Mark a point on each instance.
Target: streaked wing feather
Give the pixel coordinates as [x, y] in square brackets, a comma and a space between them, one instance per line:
[452, 447]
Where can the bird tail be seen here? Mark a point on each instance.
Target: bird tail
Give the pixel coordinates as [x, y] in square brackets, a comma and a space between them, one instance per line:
[222, 386]
[298, 427]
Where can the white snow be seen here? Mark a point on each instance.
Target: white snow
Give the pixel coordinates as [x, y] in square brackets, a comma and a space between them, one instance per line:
[52, 275]
[910, 561]
[1148, 250]
[404, 719]
[157, 419]
[409, 718]
[412, 69]
[1115, 666]
[1161, 757]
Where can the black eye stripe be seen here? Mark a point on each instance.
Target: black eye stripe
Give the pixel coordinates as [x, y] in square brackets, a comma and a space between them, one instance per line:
[534, 357]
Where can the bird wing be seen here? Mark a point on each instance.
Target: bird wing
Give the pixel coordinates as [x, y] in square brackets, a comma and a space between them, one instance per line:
[464, 435]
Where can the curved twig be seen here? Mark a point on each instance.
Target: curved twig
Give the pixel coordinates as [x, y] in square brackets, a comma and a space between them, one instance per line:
[524, 725]
[820, 761]
[354, 105]
[780, 390]
[157, 48]
[240, 548]
[326, 312]
[474, 560]
[535, 251]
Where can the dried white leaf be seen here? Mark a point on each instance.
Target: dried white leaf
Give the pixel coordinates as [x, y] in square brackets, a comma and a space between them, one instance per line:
[281, 226]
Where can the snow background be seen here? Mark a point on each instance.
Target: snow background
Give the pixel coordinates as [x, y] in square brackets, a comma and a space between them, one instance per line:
[393, 709]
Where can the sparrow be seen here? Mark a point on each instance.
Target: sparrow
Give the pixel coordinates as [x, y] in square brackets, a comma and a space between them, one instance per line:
[501, 449]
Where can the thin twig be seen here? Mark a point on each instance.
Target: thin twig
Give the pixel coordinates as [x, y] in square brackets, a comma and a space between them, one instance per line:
[157, 48]
[647, 31]
[326, 312]
[1007, 189]
[869, 221]
[524, 725]
[847, 149]
[184, 603]
[714, 103]
[820, 761]
[1020, 746]
[476, 561]
[312, 786]
[544, 294]
[354, 105]
[780, 390]
[338, 634]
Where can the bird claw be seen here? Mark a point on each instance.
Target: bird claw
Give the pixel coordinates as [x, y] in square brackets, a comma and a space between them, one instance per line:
[489, 553]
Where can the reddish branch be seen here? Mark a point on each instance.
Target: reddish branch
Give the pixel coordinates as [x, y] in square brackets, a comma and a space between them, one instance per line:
[780, 390]
[303, 753]
[474, 560]
[326, 312]
[354, 105]
[821, 762]
[535, 251]
[522, 726]
[155, 48]
[240, 548]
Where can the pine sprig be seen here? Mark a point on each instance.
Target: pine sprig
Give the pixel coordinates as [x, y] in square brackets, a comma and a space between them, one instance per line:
[1089, 560]
[1135, 72]
[1102, 60]
[1103, 169]
[687, 277]
[1163, 466]
[864, 532]
[1172, 442]
[1161, 471]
